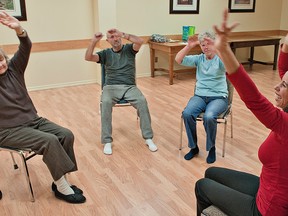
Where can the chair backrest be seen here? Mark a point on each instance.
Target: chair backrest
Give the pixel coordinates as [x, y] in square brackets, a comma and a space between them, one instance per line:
[230, 88]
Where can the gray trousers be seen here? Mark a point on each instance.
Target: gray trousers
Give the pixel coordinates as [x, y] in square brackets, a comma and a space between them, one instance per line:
[45, 138]
[111, 94]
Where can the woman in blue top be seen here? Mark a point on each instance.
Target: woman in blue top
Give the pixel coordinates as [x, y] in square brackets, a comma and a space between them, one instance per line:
[210, 94]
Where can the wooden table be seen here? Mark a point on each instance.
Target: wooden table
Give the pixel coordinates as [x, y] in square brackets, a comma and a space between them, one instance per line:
[235, 42]
[171, 49]
[253, 41]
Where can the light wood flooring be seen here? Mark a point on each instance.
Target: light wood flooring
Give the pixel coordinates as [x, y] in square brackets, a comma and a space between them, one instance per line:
[133, 181]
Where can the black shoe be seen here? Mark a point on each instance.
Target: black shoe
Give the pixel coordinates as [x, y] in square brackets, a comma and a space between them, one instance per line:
[191, 153]
[74, 188]
[0, 195]
[71, 198]
[211, 158]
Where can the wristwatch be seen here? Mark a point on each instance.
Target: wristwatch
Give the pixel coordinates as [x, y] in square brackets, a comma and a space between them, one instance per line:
[22, 33]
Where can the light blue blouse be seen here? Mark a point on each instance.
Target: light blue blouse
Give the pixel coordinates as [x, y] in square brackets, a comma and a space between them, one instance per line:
[210, 75]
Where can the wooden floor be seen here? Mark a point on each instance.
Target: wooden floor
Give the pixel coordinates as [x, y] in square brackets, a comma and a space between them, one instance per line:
[132, 181]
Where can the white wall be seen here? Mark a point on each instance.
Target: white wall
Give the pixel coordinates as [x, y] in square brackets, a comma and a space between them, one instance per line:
[150, 16]
[284, 16]
[55, 20]
[153, 17]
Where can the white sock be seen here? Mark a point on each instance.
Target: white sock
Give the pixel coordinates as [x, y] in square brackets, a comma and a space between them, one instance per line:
[107, 148]
[63, 186]
[151, 145]
[65, 176]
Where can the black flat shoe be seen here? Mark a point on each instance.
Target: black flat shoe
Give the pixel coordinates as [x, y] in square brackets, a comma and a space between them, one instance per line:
[74, 188]
[191, 153]
[71, 198]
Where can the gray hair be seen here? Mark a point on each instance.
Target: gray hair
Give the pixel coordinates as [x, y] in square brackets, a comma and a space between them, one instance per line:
[206, 34]
[4, 55]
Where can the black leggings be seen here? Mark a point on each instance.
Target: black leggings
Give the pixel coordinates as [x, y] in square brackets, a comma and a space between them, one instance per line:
[233, 192]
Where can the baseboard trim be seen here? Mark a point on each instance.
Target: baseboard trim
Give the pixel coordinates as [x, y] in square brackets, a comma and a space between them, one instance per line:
[61, 85]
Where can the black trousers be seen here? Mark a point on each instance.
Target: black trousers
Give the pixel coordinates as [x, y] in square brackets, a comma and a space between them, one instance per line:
[233, 192]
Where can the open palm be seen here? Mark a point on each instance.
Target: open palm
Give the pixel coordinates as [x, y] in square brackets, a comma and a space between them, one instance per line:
[223, 32]
[9, 20]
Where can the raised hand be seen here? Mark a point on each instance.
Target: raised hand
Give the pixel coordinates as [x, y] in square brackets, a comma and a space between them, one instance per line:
[193, 41]
[98, 36]
[285, 44]
[9, 20]
[115, 31]
[223, 32]
[222, 46]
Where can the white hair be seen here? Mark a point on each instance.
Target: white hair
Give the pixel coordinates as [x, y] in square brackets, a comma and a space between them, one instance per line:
[206, 34]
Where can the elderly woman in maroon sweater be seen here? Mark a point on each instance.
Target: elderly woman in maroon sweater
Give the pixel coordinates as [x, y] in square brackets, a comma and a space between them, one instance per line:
[243, 194]
[21, 127]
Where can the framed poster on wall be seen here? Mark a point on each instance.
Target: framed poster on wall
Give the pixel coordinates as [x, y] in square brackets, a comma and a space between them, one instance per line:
[15, 8]
[184, 6]
[239, 6]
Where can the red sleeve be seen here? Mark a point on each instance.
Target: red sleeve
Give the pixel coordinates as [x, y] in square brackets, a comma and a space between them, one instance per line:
[282, 63]
[261, 107]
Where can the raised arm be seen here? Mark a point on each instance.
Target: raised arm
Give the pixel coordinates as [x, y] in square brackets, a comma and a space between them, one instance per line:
[192, 42]
[89, 56]
[137, 41]
[285, 44]
[222, 46]
[12, 23]
[21, 57]
[283, 58]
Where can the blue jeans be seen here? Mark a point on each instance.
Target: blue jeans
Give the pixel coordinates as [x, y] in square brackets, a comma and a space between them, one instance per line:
[212, 106]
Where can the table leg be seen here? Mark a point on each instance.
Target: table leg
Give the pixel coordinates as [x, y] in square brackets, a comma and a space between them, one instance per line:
[276, 49]
[152, 62]
[171, 68]
[251, 60]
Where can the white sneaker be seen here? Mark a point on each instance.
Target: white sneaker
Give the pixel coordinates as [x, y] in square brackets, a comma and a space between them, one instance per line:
[107, 148]
[152, 147]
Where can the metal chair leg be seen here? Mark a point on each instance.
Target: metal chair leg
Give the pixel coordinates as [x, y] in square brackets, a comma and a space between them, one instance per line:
[181, 133]
[21, 153]
[25, 155]
[14, 162]
[231, 116]
[224, 138]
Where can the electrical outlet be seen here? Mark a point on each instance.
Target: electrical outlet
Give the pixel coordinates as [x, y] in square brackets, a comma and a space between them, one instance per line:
[156, 59]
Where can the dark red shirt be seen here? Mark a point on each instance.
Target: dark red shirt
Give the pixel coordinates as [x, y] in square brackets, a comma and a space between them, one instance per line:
[272, 196]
